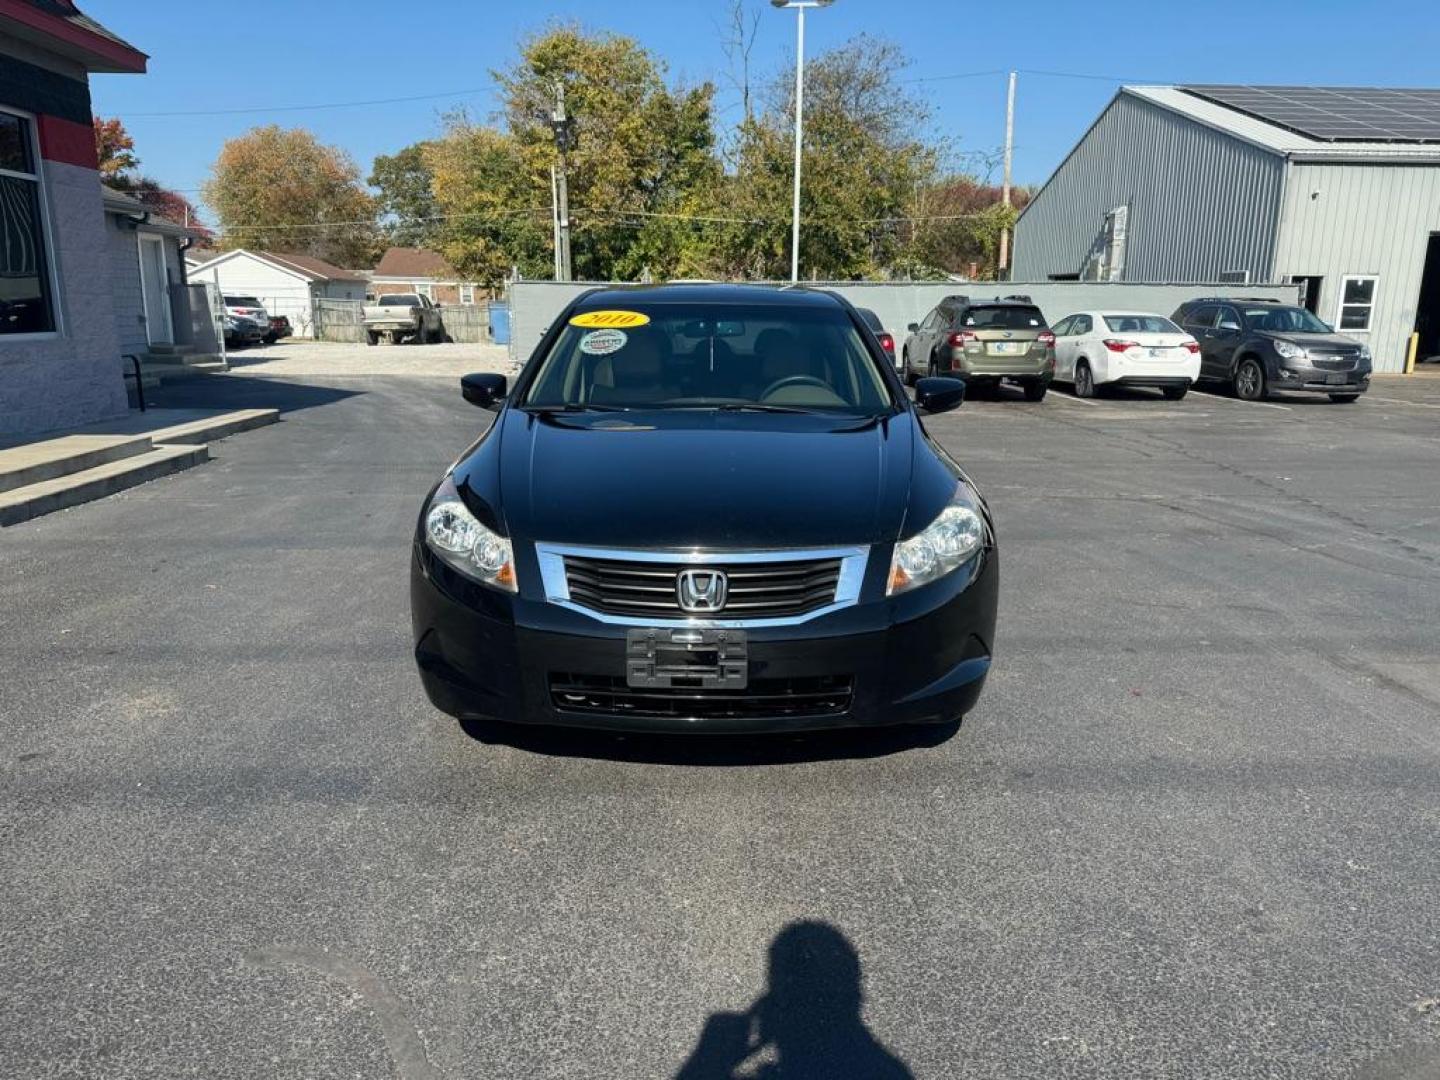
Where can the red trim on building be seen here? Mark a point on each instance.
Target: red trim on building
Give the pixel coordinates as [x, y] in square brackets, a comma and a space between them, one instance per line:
[118, 56]
[66, 141]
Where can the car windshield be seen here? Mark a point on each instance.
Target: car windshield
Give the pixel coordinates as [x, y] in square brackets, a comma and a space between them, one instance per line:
[671, 356]
[1141, 324]
[1283, 320]
[1005, 317]
[399, 300]
[242, 301]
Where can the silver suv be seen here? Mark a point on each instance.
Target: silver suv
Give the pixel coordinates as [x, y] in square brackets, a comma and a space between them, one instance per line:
[983, 341]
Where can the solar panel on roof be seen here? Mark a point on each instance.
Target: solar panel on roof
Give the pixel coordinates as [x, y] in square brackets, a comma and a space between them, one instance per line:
[1336, 113]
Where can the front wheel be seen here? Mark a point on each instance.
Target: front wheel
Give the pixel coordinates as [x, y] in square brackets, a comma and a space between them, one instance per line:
[1344, 399]
[1084, 380]
[1250, 380]
[909, 376]
[372, 338]
[1035, 391]
[1174, 393]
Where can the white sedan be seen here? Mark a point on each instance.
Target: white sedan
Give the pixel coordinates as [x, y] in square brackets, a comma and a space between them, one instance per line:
[1124, 348]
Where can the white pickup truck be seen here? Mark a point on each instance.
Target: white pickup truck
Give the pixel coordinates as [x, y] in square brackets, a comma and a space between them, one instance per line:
[396, 317]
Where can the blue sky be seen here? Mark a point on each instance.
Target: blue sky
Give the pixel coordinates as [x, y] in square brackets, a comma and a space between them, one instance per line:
[303, 52]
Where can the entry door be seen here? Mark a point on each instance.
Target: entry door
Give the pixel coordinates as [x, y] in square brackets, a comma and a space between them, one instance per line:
[155, 289]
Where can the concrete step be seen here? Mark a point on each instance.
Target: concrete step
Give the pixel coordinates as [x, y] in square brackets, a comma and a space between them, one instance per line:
[214, 427]
[34, 463]
[47, 496]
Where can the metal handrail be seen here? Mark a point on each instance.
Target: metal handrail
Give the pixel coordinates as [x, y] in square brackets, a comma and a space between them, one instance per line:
[139, 385]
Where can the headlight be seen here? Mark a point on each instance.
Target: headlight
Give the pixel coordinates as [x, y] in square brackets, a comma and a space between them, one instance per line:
[1365, 353]
[1288, 350]
[453, 533]
[946, 543]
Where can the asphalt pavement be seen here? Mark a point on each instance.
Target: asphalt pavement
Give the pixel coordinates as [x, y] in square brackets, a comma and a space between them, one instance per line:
[1190, 830]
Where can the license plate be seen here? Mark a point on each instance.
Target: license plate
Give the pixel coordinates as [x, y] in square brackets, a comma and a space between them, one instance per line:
[1335, 379]
[1009, 346]
[703, 658]
[1159, 352]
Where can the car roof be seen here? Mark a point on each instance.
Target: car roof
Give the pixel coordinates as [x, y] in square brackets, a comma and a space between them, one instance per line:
[1236, 300]
[707, 293]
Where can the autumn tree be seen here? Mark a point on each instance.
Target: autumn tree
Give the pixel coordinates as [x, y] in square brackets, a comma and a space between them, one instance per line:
[283, 190]
[119, 168]
[114, 148]
[406, 201]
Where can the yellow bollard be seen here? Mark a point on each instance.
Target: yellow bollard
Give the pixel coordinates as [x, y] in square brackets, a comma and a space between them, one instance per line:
[1410, 353]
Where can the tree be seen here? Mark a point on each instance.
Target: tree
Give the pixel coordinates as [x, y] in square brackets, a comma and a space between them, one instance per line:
[643, 152]
[864, 157]
[406, 200]
[119, 165]
[283, 190]
[114, 148]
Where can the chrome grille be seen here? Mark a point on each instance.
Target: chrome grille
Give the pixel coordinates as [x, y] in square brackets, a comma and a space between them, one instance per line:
[1333, 361]
[756, 589]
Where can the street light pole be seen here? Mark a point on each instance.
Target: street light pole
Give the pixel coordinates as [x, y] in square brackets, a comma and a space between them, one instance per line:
[799, 6]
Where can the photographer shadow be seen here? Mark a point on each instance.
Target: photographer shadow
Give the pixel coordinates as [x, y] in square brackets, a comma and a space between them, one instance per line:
[806, 1025]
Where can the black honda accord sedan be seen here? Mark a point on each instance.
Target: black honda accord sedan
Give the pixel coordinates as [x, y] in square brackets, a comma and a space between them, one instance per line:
[706, 508]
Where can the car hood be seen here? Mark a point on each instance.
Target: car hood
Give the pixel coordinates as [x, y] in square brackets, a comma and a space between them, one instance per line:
[699, 478]
[1331, 342]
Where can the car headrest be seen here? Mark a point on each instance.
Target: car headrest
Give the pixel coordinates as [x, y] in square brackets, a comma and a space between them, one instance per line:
[638, 361]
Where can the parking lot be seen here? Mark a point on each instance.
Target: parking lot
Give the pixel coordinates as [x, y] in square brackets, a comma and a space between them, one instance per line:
[1189, 831]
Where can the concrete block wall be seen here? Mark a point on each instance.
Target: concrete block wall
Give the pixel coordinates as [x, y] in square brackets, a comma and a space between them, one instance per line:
[74, 377]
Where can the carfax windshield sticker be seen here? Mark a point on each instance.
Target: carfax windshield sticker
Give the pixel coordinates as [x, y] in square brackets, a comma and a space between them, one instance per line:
[603, 342]
[611, 320]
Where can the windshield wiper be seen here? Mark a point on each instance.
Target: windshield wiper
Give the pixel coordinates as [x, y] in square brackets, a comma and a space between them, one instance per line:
[760, 406]
[572, 407]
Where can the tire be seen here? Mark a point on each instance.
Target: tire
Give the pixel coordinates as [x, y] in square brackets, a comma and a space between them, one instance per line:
[270, 339]
[907, 376]
[933, 370]
[1174, 393]
[1035, 391]
[1344, 399]
[1249, 380]
[372, 338]
[1084, 380]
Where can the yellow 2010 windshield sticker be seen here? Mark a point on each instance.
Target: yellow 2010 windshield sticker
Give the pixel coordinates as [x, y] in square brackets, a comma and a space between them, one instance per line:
[610, 320]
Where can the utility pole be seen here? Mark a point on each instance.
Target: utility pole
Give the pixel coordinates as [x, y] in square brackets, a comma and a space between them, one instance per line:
[799, 6]
[555, 221]
[1005, 188]
[564, 135]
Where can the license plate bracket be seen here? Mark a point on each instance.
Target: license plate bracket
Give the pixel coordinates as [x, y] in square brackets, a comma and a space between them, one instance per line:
[699, 658]
[1335, 378]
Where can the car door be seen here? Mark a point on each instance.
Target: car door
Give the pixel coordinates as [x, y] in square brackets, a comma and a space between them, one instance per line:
[924, 342]
[1064, 354]
[1082, 334]
[1228, 333]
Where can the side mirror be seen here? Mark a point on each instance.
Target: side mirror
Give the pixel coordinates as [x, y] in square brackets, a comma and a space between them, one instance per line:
[912, 327]
[939, 394]
[485, 389]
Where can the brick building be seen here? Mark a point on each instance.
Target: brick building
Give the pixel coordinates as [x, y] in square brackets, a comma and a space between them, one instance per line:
[419, 270]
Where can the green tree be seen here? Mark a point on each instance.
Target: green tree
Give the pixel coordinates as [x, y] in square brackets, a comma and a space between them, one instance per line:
[643, 157]
[283, 190]
[406, 200]
[864, 158]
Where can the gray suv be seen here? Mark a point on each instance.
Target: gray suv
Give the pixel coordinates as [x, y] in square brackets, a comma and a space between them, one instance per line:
[983, 341]
[1259, 346]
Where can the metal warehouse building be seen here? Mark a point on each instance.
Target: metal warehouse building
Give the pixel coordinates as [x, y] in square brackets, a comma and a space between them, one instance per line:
[1337, 190]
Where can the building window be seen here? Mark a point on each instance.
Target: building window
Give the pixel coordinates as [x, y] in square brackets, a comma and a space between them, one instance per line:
[427, 291]
[1357, 302]
[467, 294]
[26, 306]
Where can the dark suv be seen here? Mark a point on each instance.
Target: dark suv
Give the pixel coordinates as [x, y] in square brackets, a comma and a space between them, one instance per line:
[1258, 346]
[983, 341]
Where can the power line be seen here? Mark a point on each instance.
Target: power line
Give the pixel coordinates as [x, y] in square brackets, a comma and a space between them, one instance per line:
[322, 105]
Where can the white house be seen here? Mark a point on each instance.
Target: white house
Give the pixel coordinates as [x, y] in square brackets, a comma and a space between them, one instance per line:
[289, 285]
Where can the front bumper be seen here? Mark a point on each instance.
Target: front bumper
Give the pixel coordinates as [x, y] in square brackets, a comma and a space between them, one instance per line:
[1304, 378]
[917, 658]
